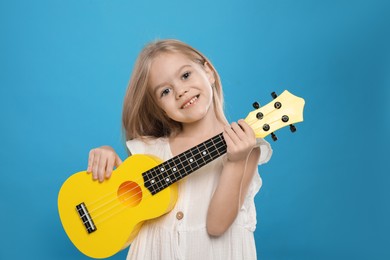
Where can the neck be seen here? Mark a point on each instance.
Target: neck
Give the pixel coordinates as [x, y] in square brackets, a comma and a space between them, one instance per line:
[202, 129]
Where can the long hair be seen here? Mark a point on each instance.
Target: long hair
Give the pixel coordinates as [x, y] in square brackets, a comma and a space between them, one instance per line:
[141, 116]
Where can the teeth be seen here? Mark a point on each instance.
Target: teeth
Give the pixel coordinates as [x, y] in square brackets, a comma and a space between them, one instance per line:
[190, 102]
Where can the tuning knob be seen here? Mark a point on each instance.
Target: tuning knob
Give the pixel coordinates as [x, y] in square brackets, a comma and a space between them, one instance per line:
[274, 95]
[256, 105]
[293, 128]
[259, 115]
[285, 118]
[274, 137]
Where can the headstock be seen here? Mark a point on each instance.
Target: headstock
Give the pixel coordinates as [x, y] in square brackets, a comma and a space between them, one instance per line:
[284, 110]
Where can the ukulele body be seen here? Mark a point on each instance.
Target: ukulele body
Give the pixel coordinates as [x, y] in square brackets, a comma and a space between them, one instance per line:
[103, 218]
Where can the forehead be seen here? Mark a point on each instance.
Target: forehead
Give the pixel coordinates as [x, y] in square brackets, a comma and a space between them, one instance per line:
[166, 65]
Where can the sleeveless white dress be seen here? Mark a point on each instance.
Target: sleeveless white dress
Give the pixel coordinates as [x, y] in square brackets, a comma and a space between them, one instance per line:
[181, 233]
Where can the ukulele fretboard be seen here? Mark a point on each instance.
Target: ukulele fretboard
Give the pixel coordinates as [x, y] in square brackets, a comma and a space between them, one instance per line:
[178, 167]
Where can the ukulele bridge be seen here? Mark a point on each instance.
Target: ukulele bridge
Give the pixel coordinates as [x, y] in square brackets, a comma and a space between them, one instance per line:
[86, 218]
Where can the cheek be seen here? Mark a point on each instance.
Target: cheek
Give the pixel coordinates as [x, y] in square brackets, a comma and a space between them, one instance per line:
[166, 112]
[162, 109]
[166, 108]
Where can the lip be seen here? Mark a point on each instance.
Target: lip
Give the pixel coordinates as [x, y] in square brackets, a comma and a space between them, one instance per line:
[188, 100]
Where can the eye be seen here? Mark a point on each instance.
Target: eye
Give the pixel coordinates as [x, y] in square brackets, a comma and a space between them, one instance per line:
[165, 92]
[186, 75]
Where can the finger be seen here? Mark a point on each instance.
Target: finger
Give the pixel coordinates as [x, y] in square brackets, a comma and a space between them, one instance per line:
[227, 138]
[90, 161]
[233, 136]
[110, 167]
[118, 161]
[95, 165]
[239, 131]
[246, 128]
[102, 168]
[250, 137]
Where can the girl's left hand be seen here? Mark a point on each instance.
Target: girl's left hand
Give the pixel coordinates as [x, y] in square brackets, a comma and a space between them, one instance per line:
[240, 139]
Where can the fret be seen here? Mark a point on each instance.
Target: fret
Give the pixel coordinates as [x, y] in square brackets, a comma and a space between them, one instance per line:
[221, 145]
[177, 161]
[178, 167]
[184, 162]
[205, 153]
[164, 172]
[195, 159]
[174, 173]
[158, 176]
[149, 181]
[214, 153]
[155, 179]
[199, 157]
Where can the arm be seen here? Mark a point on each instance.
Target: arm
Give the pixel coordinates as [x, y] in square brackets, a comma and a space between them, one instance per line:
[101, 162]
[235, 179]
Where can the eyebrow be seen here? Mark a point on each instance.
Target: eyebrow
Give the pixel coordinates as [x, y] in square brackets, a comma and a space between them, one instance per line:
[165, 83]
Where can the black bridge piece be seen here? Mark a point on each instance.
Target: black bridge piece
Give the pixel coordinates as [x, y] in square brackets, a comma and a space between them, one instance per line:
[86, 218]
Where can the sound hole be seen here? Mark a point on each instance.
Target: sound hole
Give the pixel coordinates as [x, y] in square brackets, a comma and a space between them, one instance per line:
[130, 193]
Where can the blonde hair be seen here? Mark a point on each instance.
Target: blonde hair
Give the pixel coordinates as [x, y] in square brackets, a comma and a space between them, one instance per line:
[141, 116]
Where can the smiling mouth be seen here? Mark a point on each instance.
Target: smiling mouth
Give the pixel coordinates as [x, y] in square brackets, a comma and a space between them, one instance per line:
[190, 102]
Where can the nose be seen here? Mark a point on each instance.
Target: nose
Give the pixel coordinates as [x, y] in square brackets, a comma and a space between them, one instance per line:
[181, 91]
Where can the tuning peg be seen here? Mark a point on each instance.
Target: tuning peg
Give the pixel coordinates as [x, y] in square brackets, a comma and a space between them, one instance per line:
[256, 105]
[259, 115]
[274, 137]
[285, 118]
[293, 128]
[274, 95]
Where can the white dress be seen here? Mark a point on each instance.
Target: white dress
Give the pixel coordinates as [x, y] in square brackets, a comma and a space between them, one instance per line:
[181, 233]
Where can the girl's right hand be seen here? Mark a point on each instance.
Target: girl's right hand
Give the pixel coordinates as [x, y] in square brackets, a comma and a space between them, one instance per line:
[101, 162]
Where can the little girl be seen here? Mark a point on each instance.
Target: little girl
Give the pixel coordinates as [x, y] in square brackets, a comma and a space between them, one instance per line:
[174, 102]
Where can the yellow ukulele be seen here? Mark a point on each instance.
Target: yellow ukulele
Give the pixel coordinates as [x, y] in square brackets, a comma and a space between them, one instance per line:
[103, 218]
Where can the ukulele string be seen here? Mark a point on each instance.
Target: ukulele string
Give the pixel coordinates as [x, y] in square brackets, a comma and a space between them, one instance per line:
[123, 201]
[147, 174]
[101, 198]
[115, 197]
[125, 194]
[146, 197]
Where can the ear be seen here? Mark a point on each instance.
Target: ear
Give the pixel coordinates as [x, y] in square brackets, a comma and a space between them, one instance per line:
[209, 72]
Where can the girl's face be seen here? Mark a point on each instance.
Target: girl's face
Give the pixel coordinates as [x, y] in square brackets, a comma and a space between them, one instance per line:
[181, 87]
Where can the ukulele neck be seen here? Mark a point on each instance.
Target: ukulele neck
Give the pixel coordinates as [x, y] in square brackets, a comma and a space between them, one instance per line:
[178, 167]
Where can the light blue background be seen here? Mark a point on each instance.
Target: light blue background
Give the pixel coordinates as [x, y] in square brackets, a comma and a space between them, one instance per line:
[64, 68]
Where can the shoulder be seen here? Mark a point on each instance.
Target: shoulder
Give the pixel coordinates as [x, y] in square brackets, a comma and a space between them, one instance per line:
[145, 144]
